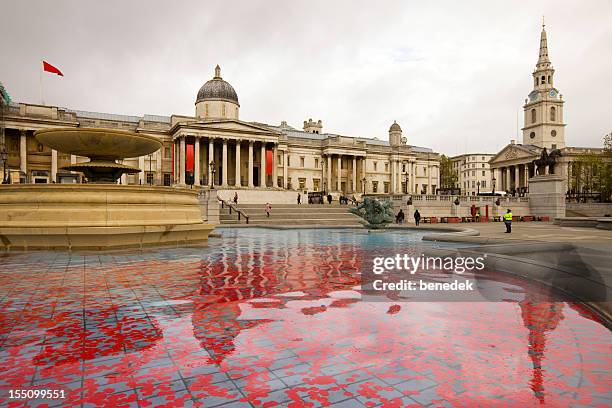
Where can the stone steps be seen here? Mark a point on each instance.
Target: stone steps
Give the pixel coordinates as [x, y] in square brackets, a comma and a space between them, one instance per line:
[293, 215]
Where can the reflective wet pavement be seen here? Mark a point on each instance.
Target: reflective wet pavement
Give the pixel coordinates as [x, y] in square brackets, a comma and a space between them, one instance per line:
[273, 318]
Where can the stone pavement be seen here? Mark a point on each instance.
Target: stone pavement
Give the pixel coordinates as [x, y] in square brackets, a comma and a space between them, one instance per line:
[533, 231]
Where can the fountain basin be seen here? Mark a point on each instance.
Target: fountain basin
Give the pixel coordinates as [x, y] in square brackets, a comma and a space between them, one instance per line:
[96, 143]
[98, 216]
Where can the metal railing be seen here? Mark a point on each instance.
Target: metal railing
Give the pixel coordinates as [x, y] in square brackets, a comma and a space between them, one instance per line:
[233, 208]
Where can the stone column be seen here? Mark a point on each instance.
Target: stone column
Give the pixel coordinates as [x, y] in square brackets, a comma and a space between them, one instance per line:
[285, 169]
[399, 177]
[211, 159]
[275, 165]
[224, 164]
[526, 172]
[158, 167]
[141, 176]
[508, 179]
[339, 181]
[392, 165]
[517, 177]
[238, 183]
[329, 172]
[364, 165]
[354, 184]
[23, 152]
[251, 185]
[196, 162]
[174, 161]
[429, 186]
[262, 166]
[53, 166]
[182, 160]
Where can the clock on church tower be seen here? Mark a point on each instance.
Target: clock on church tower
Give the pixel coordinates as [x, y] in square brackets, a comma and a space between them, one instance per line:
[543, 109]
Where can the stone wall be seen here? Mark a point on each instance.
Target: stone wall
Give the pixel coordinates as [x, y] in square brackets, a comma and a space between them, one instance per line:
[260, 196]
[589, 209]
[444, 206]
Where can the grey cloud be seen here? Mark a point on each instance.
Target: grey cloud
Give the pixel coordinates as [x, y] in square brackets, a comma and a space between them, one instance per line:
[452, 73]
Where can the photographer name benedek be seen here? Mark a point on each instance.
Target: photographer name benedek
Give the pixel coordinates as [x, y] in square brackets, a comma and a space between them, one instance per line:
[406, 284]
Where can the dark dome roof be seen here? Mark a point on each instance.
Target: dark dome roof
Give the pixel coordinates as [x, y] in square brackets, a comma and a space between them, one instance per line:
[217, 90]
[395, 127]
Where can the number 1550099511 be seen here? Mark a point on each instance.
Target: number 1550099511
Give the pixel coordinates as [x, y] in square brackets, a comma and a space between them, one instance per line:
[36, 394]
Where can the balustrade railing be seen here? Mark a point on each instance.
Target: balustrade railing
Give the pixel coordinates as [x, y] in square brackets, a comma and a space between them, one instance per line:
[233, 208]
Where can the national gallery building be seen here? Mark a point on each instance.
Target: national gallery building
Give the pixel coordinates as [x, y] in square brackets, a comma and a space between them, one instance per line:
[215, 147]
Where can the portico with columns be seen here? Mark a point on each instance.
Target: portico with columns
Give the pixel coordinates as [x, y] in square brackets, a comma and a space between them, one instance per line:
[230, 158]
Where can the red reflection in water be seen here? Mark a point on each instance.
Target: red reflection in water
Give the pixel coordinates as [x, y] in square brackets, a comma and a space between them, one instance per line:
[284, 328]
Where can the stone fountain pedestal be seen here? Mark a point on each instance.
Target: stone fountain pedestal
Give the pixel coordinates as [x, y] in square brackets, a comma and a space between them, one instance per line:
[100, 214]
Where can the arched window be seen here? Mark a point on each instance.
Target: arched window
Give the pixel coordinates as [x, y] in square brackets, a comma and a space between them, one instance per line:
[532, 135]
[236, 113]
[533, 116]
[543, 81]
[549, 81]
[553, 114]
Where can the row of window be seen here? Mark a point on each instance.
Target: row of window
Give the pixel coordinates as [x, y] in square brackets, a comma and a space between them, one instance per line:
[552, 115]
[483, 184]
[467, 173]
[544, 79]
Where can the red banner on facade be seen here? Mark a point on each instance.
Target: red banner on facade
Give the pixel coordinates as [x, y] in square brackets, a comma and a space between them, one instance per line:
[189, 159]
[269, 162]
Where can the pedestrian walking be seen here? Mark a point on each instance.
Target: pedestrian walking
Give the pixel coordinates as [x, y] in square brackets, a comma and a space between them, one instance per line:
[417, 217]
[299, 199]
[399, 218]
[329, 198]
[268, 209]
[236, 198]
[508, 221]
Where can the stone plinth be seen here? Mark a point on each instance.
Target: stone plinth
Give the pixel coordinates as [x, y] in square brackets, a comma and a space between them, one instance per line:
[98, 216]
[547, 195]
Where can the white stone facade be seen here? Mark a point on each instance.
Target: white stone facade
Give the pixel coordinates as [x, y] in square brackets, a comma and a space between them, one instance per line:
[473, 173]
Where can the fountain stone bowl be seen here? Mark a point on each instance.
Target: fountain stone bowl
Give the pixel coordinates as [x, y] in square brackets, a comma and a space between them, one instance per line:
[102, 146]
[100, 214]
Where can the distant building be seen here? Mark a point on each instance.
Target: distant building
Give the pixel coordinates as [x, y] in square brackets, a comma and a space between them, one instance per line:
[215, 143]
[473, 173]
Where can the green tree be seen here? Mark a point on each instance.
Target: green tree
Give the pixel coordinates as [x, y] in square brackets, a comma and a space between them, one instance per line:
[592, 173]
[448, 176]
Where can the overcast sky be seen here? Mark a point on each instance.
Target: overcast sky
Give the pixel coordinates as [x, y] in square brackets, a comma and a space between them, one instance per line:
[453, 74]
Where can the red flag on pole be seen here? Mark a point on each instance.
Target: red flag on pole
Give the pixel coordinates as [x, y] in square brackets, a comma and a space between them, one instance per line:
[50, 68]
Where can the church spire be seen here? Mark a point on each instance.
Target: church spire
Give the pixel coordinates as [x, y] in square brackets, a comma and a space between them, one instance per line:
[543, 60]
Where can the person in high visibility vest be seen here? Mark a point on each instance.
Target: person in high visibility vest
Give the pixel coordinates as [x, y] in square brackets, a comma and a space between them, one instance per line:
[508, 221]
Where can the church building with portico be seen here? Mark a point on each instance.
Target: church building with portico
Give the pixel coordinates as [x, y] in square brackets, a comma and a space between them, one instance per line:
[544, 128]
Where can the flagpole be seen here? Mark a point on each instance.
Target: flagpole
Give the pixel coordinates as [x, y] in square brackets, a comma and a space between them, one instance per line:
[42, 102]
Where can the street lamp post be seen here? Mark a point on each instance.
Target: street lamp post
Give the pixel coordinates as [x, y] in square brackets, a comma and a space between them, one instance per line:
[363, 185]
[478, 187]
[212, 174]
[493, 180]
[406, 182]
